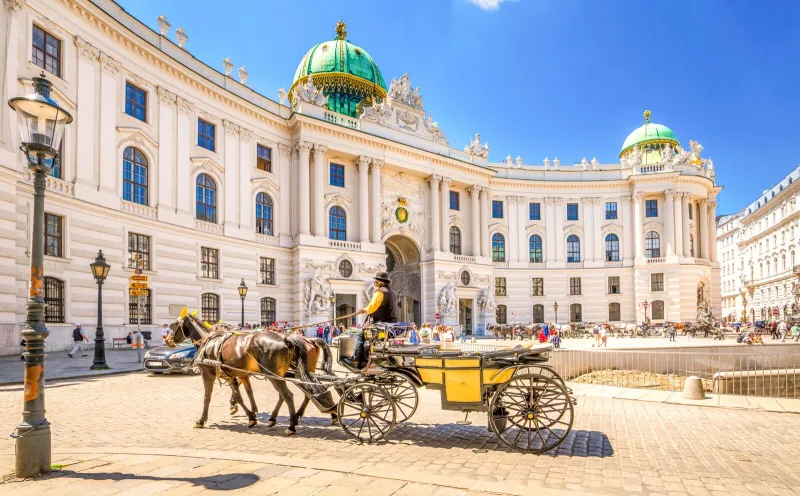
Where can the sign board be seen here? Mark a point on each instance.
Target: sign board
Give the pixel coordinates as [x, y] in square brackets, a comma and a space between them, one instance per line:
[135, 292]
[139, 278]
[138, 285]
[438, 316]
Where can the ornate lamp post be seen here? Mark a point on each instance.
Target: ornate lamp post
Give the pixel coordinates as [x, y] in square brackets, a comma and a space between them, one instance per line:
[333, 306]
[100, 271]
[41, 125]
[555, 307]
[645, 304]
[242, 294]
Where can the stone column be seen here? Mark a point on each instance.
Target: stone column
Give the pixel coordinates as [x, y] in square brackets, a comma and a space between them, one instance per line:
[166, 150]
[475, 217]
[85, 123]
[486, 246]
[687, 242]
[318, 191]
[184, 186]
[669, 226]
[550, 228]
[433, 183]
[246, 200]
[627, 229]
[561, 215]
[702, 221]
[362, 163]
[588, 222]
[444, 216]
[303, 149]
[285, 195]
[230, 156]
[513, 232]
[638, 239]
[678, 223]
[376, 199]
[712, 231]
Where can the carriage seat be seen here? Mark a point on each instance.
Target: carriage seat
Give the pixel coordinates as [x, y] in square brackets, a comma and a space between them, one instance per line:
[418, 349]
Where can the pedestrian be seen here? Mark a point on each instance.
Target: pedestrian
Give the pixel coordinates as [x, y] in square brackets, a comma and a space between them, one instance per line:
[672, 333]
[782, 330]
[603, 336]
[319, 331]
[556, 339]
[78, 337]
[165, 331]
[413, 335]
[326, 332]
[596, 335]
[796, 332]
[546, 330]
[773, 329]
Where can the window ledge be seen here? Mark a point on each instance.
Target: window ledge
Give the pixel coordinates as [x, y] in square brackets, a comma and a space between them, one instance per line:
[52, 77]
[134, 120]
[201, 278]
[51, 258]
[262, 285]
[147, 272]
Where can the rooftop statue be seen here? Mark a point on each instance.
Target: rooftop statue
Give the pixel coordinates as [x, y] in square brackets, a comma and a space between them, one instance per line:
[477, 148]
[309, 93]
[400, 91]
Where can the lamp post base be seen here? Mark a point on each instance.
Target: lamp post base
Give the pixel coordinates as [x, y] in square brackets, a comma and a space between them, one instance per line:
[32, 451]
[99, 355]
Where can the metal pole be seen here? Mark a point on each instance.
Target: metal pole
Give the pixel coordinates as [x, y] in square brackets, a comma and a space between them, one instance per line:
[33, 434]
[242, 311]
[138, 271]
[99, 337]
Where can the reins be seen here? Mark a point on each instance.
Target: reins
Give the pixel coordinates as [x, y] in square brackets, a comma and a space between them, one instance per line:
[294, 328]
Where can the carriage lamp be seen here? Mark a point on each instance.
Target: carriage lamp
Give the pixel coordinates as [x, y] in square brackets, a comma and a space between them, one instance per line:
[41, 123]
[100, 271]
[242, 294]
[555, 308]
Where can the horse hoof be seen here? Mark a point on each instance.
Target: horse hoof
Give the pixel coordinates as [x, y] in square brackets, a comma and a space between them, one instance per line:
[198, 425]
[252, 423]
[234, 410]
[289, 432]
[270, 423]
[334, 420]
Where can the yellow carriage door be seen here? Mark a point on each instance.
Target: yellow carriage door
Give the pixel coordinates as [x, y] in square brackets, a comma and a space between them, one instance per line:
[462, 380]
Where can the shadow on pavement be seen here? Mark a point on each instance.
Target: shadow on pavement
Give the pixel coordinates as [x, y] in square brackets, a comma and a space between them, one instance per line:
[219, 482]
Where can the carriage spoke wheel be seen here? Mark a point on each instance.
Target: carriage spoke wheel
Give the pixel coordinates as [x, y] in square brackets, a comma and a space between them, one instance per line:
[404, 394]
[531, 413]
[367, 412]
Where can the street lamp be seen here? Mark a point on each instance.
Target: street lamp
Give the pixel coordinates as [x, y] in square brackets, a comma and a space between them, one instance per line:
[41, 124]
[242, 294]
[100, 271]
[645, 304]
[332, 299]
[555, 307]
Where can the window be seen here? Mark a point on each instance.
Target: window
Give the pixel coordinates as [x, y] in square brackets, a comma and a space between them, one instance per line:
[133, 308]
[337, 175]
[134, 176]
[53, 235]
[574, 286]
[346, 268]
[573, 249]
[139, 247]
[656, 282]
[54, 299]
[652, 244]
[651, 208]
[206, 198]
[268, 316]
[614, 312]
[264, 214]
[535, 212]
[206, 134]
[657, 310]
[209, 263]
[535, 249]
[497, 209]
[612, 248]
[500, 314]
[266, 270]
[465, 278]
[613, 285]
[537, 287]
[455, 240]
[264, 158]
[498, 248]
[135, 102]
[575, 313]
[337, 224]
[691, 245]
[611, 210]
[500, 286]
[46, 51]
[455, 200]
[538, 313]
[572, 211]
[209, 310]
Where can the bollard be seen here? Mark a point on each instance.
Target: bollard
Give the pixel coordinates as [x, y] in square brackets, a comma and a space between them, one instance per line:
[693, 390]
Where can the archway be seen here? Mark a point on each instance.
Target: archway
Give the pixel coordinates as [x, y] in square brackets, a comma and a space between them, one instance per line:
[402, 263]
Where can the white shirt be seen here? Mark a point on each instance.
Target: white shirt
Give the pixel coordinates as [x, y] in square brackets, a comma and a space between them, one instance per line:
[782, 327]
[603, 332]
[165, 332]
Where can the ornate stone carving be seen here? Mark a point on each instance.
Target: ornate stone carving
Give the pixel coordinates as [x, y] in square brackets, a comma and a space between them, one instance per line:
[634, 158]
[379, 112]
[308, 93]
[304, 146]
[584, 163]
[477, 148]
[317, 294]
[669, 194]
[486, 300]
[362, 161]
[86, 50]
[246, 135]
[508, 161]
[375, 164]
[13, 6]
[109, 64]
[320, 149]
[136, 139]
[181, 36]
[405, 120]
[556, 163]
[243, 74]
[163, 25]
[546, 163]
[667, 153]
[230, 127]
[282, 95]
[165, 96]
[185, 106]
[518, 161]
[433, 129]
[371, 269]
[594, 163]
[400, 91]
[448, 303]
[336, 199]
[227, 65]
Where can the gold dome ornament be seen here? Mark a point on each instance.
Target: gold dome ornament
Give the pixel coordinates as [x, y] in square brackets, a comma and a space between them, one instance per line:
[647, 116]
[341, 30]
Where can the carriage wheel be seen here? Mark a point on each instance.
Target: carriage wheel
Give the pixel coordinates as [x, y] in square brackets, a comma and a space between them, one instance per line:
[367, 412]
[545, 371]
[404, 394]
[539, 410]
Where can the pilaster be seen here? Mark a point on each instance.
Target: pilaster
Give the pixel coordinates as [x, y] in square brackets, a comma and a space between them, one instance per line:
[167, 169]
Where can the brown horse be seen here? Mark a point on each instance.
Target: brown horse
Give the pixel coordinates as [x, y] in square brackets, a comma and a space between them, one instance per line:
[263, 352]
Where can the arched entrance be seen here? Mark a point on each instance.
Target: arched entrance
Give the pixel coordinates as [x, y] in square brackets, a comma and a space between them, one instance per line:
[402, 263]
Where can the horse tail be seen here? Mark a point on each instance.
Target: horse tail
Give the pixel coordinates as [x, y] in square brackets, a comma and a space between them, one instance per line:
[327, 357]
[298, 347]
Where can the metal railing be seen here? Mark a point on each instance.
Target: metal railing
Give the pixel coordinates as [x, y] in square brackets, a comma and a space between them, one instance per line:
[740, 371]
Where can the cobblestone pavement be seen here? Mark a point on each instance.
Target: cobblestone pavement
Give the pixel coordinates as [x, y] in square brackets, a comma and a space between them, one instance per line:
[140, 428]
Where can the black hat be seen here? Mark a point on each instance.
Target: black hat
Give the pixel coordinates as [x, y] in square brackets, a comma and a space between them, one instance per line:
[382, 276]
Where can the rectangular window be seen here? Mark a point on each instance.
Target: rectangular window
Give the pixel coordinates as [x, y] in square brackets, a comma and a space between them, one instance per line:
[535, 211]
[651, 208]
[656, 282]
[133, 308]
[574, 286]
[337, 175]
[46, 51]
[497, 209]
[209, 263]
[53, 235]
[613, 285]
[139, 246]
[455, 200]
[572, 211]
[611, 210]
[264, 158]
[206, 135]
[537, 286]
[267, 270]
[500, 286]
[135, 102]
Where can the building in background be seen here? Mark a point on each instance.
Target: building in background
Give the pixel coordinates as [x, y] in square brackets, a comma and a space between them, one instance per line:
[732, 294]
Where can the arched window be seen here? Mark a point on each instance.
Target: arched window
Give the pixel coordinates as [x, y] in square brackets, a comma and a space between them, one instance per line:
[500, 314]
[268, 311]
[538, 314]
[652, 245]
[455, 240]
[498, 248]
[206, 199]
[573, 248]
[54, 298]
[575, 313]
[614, 312]
[612, 248]
[657, 310]
[134, 176]
[209, 309]
[337, 224]
[264, 214]
[535, 248]
[691, 245]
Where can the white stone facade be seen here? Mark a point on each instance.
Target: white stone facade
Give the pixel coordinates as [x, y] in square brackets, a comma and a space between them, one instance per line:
[393, 158]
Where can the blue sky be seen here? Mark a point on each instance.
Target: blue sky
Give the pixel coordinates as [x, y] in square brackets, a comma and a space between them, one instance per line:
[563, 78]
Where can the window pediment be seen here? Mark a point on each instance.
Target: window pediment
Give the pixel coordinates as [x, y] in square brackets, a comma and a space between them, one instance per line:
[132, 136]
[263, 185]
[205, 164]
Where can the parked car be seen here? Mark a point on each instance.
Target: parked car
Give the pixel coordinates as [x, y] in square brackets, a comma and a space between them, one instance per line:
[170, 360]
[346, 333]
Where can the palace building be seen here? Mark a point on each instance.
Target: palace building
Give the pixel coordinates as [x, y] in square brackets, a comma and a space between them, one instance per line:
[306, 196]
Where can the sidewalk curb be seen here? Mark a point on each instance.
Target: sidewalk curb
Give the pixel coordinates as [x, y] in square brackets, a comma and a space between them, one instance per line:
[72, 377]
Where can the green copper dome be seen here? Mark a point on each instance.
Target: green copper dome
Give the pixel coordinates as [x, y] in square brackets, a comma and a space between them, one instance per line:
[649, 135]
[343, 71]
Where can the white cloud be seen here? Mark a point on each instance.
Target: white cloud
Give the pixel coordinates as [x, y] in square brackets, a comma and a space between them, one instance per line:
[488, 4]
